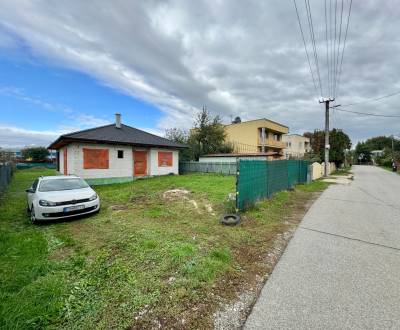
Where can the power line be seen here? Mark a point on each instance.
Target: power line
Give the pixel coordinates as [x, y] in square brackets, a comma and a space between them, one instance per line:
[305, 47]
[373, 99]
[367, 113]
[338, 49]
[311, 28]
[330, 47]
[334, 55]
[344, 43]
[327, 51]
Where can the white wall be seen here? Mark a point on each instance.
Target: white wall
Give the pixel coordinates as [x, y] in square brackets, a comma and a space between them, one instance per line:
[317, 170]
[155, 170]
[118, 167]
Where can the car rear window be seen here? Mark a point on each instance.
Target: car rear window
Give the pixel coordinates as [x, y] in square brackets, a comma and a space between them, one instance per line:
[62, 184]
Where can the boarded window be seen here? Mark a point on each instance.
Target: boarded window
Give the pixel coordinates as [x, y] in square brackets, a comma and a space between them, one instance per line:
[164, 159]
[95, 158]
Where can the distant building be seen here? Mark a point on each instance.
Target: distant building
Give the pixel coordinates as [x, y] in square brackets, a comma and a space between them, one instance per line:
[296, 146]
[257, 136]
[376, 153]
[233, 157]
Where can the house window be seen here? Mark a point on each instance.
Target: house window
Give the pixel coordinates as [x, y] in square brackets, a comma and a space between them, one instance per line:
[164, 159]
[120, 154]
[95, 158]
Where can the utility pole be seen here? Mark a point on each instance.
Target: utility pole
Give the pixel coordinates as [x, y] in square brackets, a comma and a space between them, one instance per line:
[392, 148]
[327, 146]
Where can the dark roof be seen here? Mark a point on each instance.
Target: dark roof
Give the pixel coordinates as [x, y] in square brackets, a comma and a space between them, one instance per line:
[109, 134]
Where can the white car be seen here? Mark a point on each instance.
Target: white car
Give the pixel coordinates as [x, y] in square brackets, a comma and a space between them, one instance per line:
[56, 197]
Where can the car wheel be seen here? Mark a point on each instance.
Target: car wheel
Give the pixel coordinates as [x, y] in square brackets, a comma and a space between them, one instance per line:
[32, 215]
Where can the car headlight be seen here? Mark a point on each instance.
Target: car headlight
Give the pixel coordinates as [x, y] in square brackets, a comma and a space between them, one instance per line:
[43, 202]
[93, 197]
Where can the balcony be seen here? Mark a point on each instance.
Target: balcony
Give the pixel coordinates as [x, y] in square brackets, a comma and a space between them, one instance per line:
[271, 143]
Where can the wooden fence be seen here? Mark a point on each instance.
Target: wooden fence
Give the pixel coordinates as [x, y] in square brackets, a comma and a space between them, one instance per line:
[208, 167]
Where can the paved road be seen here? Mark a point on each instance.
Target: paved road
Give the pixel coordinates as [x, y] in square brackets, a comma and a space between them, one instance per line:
[341, 270]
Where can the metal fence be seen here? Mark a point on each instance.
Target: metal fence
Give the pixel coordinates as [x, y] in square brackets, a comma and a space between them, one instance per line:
[258, 179]
[208, 167]
[24, 166]
[6, 170]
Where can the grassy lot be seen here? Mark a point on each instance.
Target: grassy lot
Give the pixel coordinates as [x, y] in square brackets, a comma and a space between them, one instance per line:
[146, 260]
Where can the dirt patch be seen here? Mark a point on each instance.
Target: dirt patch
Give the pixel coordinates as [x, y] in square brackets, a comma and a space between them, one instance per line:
[233, 314]
[175, 194]
[61, 254]
[183, 195]
[118, 207]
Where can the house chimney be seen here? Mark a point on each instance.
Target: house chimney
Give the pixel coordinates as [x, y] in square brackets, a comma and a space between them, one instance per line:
[118, 120]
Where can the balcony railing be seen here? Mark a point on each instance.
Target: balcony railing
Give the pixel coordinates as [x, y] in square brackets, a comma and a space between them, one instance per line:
[271, 143]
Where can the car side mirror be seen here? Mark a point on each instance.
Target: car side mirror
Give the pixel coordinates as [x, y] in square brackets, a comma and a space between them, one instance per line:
[30, 190]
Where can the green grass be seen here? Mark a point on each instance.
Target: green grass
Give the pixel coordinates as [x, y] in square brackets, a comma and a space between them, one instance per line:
[342, 171]
[389, 169]
[143, 260]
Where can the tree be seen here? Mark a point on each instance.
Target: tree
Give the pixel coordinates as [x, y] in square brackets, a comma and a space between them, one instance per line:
[36, 154]
[208, 136]
[362, 153]
[180, 136]
[364, 149]
[339, 143]
[381, 143]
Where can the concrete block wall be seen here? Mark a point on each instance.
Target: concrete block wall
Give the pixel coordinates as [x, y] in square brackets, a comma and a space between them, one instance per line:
[154, 169]
[317, 170]
[118, 167]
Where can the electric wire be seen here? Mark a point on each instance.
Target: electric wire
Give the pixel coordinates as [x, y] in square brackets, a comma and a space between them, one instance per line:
[311, 28]
[338, 49]
[367, 113]
[344, 45]
[327, 51]
[305, 47]
[373, 99]
[334, 55]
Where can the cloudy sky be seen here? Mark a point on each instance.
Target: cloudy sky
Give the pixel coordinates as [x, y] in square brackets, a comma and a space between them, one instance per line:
[68, 65]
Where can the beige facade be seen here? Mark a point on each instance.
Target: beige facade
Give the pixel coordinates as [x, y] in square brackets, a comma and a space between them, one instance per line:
[296, 146]
[260, 135]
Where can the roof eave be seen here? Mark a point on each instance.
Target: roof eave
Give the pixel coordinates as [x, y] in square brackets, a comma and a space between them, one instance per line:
[64, 140]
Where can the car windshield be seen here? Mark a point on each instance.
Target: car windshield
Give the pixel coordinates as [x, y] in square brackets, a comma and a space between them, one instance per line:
[62, 184]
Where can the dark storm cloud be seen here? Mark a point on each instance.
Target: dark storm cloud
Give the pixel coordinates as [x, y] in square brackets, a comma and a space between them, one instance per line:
[237, 57]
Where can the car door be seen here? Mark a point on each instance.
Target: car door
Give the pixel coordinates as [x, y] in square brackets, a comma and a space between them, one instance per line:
[31, 194]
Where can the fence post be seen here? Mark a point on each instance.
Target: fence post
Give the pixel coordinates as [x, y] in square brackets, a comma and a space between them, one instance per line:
[237, 184]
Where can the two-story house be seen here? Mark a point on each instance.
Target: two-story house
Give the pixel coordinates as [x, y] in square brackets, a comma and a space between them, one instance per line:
[257, 136]
[296, 145]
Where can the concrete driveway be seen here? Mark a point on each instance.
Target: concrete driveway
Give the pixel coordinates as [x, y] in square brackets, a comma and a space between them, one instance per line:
[341, 270]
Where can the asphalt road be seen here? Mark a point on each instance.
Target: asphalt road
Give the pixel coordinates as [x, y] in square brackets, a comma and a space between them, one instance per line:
[341, 270]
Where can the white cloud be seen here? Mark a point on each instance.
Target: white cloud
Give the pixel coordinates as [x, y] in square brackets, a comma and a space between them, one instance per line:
[237, 58]
[15, 137]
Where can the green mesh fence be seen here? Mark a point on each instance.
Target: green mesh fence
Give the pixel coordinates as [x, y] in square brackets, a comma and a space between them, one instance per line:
[258, 179]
